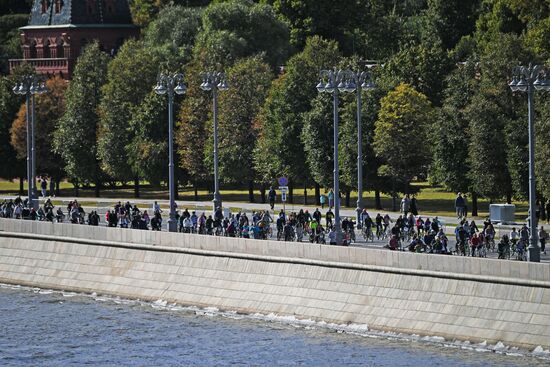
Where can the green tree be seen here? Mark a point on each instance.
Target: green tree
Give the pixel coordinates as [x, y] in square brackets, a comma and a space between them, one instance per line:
[542, 157]
[281, 122]
[175, 27]
[75, 137]
[15, 6]
[317, 137]
[450, 167]
[236, 29]
[487, 151]
[192, 132]
[422, 65]
[10, 41]
[249, 80]
[9, 106]
[147, 150]
[403, 124]
[49, 108]
[453, 19]
[131, 77]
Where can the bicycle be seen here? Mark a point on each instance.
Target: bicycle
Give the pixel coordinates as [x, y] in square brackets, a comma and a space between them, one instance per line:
[367, 234]
[463, 249]
[482, 252]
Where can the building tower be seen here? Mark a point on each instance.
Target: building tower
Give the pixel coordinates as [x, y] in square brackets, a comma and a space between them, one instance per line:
[59, 29]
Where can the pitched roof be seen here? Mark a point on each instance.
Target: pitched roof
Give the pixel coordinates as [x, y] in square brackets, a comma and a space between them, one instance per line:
[80, 12]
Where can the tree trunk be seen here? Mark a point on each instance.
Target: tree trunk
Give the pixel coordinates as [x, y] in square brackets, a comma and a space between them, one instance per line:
[196, 191]
[305, 192]
[290, 192]
[317, 194]
[348, 195]
[76, 189]
[509, 198]
[21, 186]
[251, 191]
[57, 186]
[176, 186]
[136, 187]
[543, 213]
[377, 200]
[262, 193]
[97, 188]
[393, 197]
[474, 204]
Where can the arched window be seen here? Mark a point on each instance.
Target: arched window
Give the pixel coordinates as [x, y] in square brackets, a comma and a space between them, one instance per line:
[45, 5]
[90, 7]
[109, 6]
[58, 6]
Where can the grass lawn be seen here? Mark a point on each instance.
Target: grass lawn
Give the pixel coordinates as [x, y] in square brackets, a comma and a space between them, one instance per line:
[432, 201]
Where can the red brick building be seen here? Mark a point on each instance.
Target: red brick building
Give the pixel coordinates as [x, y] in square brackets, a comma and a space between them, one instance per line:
[59, 29]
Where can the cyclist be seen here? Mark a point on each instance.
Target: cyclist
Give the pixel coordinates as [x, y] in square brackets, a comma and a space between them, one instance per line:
[317, 215]
[378, 221]
[386, 221]
[504, 247]
[419, 225]
[329, 217]
[474, 243]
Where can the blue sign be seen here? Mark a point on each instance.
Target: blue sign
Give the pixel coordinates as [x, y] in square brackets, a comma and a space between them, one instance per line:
[283, 181]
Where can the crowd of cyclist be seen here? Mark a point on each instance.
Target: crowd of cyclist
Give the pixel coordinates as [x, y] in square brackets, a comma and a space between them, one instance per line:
[409, 231]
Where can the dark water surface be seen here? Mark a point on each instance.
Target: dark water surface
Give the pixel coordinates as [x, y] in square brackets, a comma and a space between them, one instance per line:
[44, 328]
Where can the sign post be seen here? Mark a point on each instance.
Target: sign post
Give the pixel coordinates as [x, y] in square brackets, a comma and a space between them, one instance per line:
[284, 191]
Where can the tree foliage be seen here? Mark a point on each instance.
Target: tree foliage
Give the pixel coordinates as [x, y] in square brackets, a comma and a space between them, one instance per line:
[281, 119]
[76, 132]
[249, 81]
[49, 108]
[403, 124]
[237, 29]
[131, 77]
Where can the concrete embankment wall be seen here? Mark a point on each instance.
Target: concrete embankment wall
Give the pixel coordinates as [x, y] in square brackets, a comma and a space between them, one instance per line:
[453, 297]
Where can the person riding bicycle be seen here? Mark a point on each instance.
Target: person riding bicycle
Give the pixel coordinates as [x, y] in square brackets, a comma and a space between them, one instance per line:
[209, 225]
[288, 232]
[317, 215]
[280, 226]
[524, 234]
[514, 236]
[461, 239]
[187, 224]
[313, 235]
[367, 225]
[427, 225]
[230, 231]
[156, 208]
[386, 220]
[520, 249]
[436, 225]
[503, 247]
[378, 220]
[474, 243]
[419, 225]
[329, 217]
[393, 243]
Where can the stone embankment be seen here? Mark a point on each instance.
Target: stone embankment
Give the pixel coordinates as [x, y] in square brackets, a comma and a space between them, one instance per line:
[449, 296]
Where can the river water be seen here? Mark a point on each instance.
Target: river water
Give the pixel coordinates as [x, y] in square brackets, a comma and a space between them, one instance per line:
[46, 328]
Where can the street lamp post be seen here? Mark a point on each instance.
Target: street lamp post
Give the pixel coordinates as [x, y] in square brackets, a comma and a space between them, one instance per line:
[362, 80]
[30, 85]
[335, 81]
[527, 80]
[170, 84]
[214, 81]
